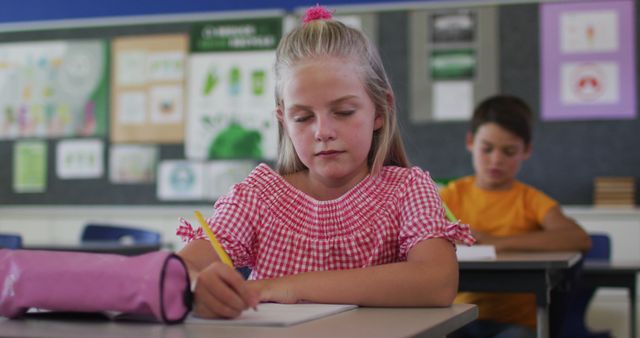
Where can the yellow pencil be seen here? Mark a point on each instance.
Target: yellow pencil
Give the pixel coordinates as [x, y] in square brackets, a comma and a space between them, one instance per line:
[449, 214]
[214, 242]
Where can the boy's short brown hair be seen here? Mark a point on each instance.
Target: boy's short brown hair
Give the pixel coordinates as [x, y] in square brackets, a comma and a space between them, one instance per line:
[509, 112]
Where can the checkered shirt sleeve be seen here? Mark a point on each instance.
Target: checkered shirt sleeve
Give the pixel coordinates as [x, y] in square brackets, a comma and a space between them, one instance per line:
[422, 215]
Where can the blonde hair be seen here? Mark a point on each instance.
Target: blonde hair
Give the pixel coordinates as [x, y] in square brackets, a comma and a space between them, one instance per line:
[321, 38]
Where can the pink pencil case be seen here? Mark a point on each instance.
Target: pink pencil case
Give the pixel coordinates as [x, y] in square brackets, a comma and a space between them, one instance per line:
[154, 284]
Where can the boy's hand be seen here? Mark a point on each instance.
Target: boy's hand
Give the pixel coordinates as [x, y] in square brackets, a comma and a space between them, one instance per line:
[222, 292]
[481, 237]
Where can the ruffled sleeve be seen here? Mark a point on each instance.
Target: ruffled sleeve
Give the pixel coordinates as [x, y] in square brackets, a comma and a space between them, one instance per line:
[459, 232]
[422, 215]
[186, 232]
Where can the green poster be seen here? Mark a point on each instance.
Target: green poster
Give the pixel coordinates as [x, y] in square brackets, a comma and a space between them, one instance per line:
[450, 64]
[230, 90]
[29, 166]
[236, 35]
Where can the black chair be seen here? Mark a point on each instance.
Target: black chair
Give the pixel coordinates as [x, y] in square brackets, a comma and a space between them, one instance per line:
[574, 325]
[118, 233]
[10, 241]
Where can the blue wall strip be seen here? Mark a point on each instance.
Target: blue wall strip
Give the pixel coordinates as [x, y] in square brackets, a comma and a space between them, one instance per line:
[45, 10]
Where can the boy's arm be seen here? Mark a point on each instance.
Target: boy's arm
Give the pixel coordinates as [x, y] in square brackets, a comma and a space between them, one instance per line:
[559, 233]
[429, 277]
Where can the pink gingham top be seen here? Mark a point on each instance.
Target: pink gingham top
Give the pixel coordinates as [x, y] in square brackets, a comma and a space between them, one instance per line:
[275, 229]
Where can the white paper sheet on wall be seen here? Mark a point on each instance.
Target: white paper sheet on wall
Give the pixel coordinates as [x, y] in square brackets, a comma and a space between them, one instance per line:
[452, 100]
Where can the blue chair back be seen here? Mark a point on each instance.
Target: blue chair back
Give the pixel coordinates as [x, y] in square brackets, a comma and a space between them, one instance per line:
[107, 232]
[579, 298]
[600, 247]
[10, 241]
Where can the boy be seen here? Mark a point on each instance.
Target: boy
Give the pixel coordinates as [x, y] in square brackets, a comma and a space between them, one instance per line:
[505, 212]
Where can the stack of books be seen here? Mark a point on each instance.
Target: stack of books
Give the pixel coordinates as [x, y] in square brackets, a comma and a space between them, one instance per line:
[614, 191]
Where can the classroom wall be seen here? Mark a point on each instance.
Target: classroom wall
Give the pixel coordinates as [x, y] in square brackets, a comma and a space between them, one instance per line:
[567, 155]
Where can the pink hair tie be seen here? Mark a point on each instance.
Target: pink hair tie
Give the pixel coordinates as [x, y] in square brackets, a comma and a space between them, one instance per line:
[316, 12]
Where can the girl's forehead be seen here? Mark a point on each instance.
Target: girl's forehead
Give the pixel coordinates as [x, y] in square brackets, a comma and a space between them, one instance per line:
[323, 61]
[329, 73]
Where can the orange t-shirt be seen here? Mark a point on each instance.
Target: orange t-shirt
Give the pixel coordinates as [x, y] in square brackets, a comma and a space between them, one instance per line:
[520, 209]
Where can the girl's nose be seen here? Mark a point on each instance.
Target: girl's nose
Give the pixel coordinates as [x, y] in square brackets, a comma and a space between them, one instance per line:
[325, 129]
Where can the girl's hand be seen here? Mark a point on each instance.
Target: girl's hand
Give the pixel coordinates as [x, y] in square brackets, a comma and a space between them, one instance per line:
[222, 292]
[275, 290]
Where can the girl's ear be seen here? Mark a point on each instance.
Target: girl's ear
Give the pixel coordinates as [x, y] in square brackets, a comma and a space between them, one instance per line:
[378, 122]
[279, 112]
[469, 141]
[380, 118]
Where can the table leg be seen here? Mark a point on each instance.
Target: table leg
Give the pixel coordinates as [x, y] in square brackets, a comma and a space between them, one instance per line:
[633, 309]
[542, 319]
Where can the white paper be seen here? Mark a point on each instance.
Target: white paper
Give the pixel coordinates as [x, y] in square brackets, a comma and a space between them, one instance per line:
[221, 175]
[590, 83]
[274, 314]
[132, 163]
[132, 107]
[82, 158]
[166, 66]
[166, 104]
[452, 100]
[475, 252]
[131, 67]
[589, 31]
[180, 180]
[49, 88]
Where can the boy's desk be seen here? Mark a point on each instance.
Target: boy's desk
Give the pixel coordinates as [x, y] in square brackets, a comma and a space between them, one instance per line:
[535, 272]
[360, 322]
[622, 274]
[128, 249]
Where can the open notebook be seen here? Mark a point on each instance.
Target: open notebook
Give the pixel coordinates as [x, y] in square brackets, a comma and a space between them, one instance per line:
[475, 252]
[274, 314]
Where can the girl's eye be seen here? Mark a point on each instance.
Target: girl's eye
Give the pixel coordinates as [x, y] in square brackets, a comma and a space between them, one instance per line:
[301, 118]
[345, 112]
[486, 150]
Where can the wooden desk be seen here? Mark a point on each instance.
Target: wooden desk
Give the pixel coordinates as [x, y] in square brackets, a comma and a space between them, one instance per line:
[99, 247]
[535, 272]
[361, 322]
[618, 275]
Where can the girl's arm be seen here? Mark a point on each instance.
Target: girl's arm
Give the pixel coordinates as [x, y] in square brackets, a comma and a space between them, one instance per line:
[429, 277]
[197, 255]
[558, 233]
[220, 291]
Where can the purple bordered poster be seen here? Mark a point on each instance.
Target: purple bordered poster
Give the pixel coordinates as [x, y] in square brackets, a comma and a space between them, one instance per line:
[587, 60]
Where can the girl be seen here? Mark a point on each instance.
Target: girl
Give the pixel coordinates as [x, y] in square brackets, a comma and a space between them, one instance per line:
[343, 219]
